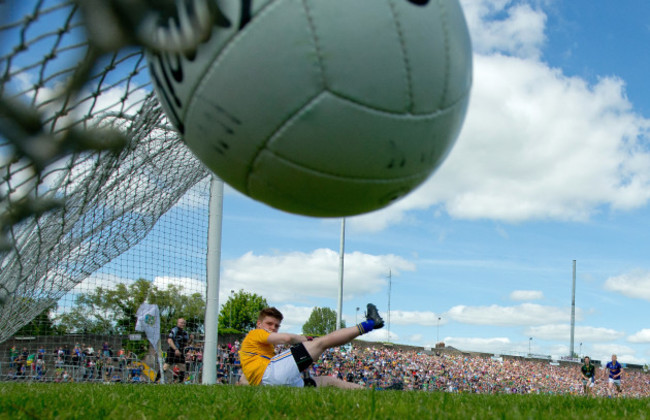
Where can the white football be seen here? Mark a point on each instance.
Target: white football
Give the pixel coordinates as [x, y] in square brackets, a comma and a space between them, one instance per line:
[322, 107]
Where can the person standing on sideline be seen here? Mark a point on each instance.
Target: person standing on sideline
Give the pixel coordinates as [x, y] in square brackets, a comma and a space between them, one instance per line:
[615, 371]
[261, 366]
[177, 340]
[588, 372]
[13, 354]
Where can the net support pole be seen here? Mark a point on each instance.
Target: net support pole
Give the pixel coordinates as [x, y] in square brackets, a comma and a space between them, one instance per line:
[160, 361]
[213, 267]
[339, 313]
[573, 311]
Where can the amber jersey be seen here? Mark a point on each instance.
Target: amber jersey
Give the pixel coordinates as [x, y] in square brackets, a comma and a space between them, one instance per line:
[255, 354]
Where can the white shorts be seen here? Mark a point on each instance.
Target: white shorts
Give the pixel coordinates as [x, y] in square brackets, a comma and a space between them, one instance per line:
[616, 382]
[282, 370]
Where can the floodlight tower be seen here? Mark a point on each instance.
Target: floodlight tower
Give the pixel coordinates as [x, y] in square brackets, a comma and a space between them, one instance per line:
[339, 313]
[390, 283]
[573, 310]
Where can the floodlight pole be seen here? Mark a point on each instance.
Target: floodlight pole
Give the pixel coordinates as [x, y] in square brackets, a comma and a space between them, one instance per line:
[341, 266]
[213, 264]
[573, 311]
[390, 285]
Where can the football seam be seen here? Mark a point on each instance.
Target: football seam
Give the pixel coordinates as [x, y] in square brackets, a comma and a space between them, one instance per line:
[444, 21]
[264, 145]
[347, 177]
[407, 64]
[309, 105]
[317, 47]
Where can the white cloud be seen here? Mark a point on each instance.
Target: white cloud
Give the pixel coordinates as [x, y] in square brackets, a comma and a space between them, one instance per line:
[487, 345]
[380, 219]
[530, 130]
[298, 276]
[642, 336]
[187, 285]
[416, 338]
[110, 282]
[525, 314]
[557, 351]
[540, 145]
[526, 295]
[635, 284]
[422, 318]
[506, 27]
[581, 333]
[632, 359]
[89, 285]
[49, 99]
[294, 317]
[624, 354]
[103, 280]
[381, 335]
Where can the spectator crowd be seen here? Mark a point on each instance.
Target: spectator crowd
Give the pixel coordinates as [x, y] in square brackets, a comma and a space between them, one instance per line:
[416, 370]
[379, 367]
[76, 363]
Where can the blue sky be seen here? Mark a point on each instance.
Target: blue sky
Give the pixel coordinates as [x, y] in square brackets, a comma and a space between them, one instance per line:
[552, 165]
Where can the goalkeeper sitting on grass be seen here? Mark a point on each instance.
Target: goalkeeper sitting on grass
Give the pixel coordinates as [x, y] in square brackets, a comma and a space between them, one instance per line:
[261, 366]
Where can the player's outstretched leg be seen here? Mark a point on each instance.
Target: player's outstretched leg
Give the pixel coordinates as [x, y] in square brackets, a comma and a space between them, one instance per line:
[343, 336]
[335, 382]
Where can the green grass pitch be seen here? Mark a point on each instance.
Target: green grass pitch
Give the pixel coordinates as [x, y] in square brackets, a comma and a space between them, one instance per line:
[125, 401]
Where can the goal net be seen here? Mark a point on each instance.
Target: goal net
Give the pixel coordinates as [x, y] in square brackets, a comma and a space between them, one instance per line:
[102, 206]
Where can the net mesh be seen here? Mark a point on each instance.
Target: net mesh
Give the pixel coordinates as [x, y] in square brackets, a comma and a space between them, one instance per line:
[89, 165]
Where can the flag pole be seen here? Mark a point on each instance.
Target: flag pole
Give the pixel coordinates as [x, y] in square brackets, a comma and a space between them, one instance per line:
[148, 321]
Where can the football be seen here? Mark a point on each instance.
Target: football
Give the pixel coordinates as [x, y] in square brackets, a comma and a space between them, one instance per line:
[325, 108]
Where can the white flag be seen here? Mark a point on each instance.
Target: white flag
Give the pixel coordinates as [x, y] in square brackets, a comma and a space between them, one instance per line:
[149, 322]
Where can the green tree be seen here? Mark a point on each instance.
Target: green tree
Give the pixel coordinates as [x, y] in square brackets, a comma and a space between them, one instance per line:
[42, 324]
[321, 321]
[113, 311]
[239, 313]
[173, 304]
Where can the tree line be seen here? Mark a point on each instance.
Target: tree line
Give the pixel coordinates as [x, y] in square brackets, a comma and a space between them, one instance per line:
[112, 311]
